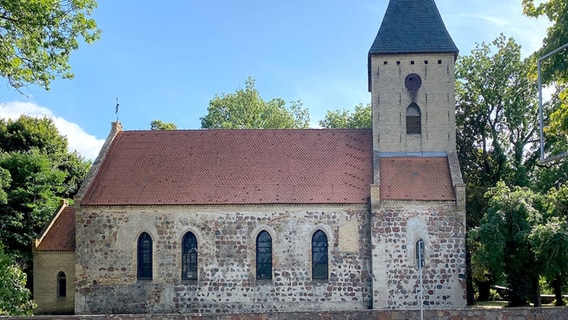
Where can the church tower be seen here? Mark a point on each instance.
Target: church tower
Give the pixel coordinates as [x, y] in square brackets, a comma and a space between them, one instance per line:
[411, 78]
[418, 195]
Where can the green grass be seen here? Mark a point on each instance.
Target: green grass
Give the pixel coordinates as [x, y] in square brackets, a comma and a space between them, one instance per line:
[490, 304]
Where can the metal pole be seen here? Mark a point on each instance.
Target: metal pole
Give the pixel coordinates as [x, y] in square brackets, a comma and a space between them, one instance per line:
[420, 263]
[541, 117]
[421, 296]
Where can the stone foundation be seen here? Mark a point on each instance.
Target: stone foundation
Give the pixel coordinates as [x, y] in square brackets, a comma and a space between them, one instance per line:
[462, 314]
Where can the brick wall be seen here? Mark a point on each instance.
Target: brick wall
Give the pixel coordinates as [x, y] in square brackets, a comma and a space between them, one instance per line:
[390, 99]
[47, 264]
[107, 244]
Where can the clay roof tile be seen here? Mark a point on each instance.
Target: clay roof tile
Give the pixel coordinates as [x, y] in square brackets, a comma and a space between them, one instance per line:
[234, 167]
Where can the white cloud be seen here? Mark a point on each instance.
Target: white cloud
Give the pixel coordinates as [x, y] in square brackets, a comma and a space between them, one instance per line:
[86, 144]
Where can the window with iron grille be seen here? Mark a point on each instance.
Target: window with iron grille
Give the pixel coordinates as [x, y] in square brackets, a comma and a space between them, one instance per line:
[413, 119]
[264, 256]
[189, 257]
[144, 257]
[319, 256]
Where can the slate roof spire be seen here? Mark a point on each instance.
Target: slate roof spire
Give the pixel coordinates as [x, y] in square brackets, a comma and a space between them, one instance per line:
[412, 26]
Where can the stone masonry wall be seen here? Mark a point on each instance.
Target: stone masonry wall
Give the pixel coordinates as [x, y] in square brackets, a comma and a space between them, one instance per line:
[226, 235]
[397, 226]
[47, 264]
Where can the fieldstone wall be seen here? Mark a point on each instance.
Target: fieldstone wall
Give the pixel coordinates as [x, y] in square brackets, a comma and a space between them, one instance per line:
[106, 279]
[397, 226]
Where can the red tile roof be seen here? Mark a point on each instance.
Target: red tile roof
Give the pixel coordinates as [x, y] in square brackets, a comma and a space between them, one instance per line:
[415, 178]
[60, 234]
[234, 167]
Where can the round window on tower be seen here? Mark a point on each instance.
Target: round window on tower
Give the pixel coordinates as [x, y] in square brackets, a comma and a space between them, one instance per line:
[413, 82]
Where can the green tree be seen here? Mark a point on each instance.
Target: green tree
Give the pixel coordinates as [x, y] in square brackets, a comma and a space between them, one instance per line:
[14, 296]
[360, 118]
[27, 133]
[5, 181]
[503, 243]
[32, 198]
[160, 125]
[556, 124]
[39, 36]
[550, 241]
[496, 118]
[555, 67]
[36, 170]
[245, 109]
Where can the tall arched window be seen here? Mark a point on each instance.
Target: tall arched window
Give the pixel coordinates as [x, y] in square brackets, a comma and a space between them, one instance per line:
[264, 256]
[420, 252]
[189, 257]
[144, 257]
[413, 119]
[61, 285]
[319, 255]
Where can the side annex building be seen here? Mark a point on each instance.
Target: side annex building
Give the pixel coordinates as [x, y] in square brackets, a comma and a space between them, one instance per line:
[210, 221]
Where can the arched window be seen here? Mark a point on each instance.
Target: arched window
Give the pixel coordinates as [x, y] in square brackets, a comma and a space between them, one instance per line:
[189, 257]
[61, 285]
[144, 257]
[420, 254]
[319, 255]
[264, 256]
[413, 119]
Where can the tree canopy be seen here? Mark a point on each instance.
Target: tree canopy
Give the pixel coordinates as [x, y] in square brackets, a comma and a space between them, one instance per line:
[360, 118]
[496, 120]
[36, 171]
[504, 237]
[39, 36]
[160, 125]
[556, 66]
[245, 109]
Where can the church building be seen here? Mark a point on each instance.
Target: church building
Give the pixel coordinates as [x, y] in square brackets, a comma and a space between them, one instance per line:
[236, 221]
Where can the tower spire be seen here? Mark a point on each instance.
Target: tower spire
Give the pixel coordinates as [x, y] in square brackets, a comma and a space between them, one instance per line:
[412, 26]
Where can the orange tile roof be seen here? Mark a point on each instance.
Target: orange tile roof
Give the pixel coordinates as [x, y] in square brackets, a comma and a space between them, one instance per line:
[415, 178]
[60, 235]
[234, 167]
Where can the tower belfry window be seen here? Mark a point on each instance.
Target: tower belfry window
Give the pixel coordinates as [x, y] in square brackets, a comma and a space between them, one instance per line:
[413, 119]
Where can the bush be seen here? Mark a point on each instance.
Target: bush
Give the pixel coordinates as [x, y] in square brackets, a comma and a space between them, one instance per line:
[14, 296]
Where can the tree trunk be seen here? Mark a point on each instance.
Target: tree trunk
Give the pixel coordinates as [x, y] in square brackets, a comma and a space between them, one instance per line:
[469, 281]
[557, 286]
[484, 293]
[536, 293]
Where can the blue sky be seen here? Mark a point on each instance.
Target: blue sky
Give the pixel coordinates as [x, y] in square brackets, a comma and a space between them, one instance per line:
[167, 60]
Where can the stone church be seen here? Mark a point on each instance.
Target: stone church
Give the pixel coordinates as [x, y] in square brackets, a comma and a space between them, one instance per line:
[209, 221]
